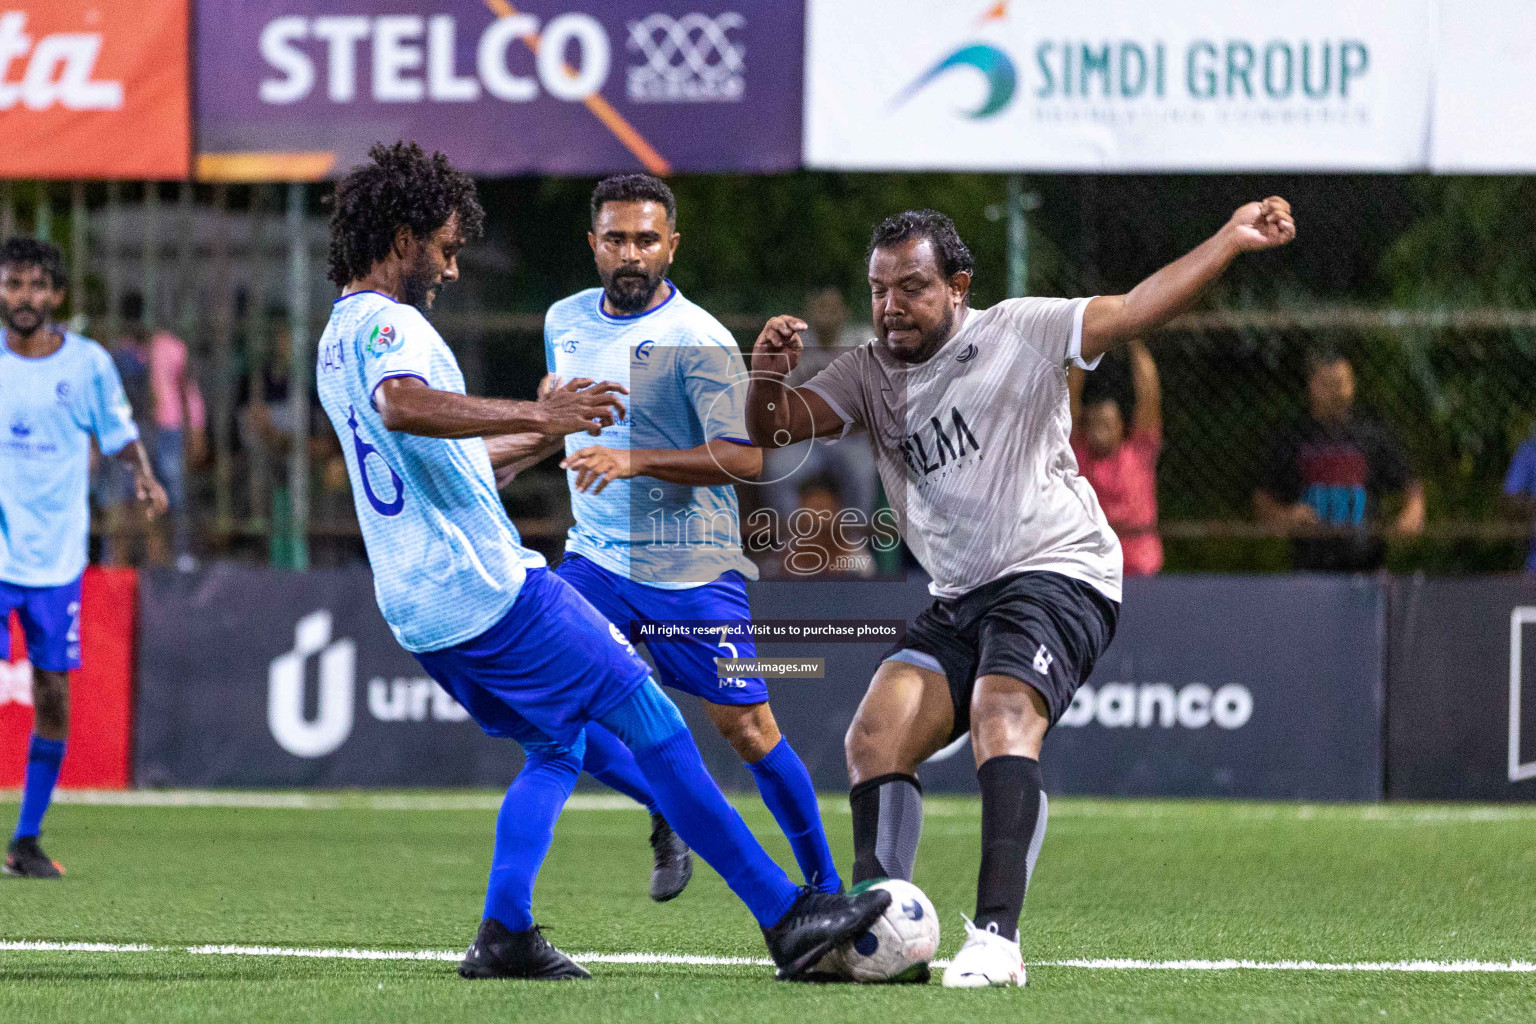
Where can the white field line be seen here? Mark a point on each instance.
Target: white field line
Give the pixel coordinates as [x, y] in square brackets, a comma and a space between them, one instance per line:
[1098, 964]
[941, 807]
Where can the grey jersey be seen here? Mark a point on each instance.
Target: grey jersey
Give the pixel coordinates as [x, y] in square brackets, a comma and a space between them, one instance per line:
[974, 448]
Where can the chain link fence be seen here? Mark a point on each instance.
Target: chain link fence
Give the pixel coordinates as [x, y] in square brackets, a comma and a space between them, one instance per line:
[214, 264]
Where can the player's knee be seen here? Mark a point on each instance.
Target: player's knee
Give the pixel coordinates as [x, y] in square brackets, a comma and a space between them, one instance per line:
[1012, 721]
[553, 759]
[50, 703]
[864, 745]
[751, 735]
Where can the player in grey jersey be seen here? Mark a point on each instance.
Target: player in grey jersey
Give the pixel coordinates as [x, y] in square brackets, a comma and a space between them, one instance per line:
[969, 414]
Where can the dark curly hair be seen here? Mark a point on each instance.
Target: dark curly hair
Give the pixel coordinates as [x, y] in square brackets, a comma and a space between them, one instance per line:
[402, 186]
[952, 254]
[21, 251]
[634, 188]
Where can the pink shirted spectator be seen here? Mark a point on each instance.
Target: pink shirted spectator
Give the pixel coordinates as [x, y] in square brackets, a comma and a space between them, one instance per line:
[1123, 470]
[172, 387]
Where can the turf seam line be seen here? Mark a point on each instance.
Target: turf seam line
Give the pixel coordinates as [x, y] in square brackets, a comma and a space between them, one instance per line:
[1101, 964]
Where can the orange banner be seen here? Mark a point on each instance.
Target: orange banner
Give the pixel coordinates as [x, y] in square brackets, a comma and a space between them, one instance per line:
[94, 89]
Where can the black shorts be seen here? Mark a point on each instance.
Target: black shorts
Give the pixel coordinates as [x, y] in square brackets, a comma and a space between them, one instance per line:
[1042, 628]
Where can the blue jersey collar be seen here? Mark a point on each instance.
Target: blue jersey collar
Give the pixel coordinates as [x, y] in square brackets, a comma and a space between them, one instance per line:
[632, 317]
[365, 291]
[5, 347]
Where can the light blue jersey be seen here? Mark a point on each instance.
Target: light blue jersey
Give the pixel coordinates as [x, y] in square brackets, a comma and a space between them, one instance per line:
[447, 563]
[50, 408]
[688, 386]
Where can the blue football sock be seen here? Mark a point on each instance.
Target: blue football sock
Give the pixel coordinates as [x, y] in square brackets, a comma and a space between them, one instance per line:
[609, 761]
[524, 828]
[649, 724]
[697, 811]
[786, 787]
[43, 760]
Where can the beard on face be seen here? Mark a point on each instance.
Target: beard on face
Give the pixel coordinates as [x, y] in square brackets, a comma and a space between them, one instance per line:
[630, 291]
[929, 342]
[22, 319]
[421, 282]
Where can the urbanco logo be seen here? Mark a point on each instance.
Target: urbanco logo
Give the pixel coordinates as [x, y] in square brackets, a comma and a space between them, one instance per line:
[332, 723]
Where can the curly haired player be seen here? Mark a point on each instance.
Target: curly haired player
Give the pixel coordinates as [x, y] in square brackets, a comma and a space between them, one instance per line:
[525, 654]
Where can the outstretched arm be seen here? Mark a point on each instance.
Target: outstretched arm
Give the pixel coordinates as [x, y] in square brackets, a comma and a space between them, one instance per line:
[411, 406]
[1148, 390]
[709, 465]
[777, 414]
[1112, 319]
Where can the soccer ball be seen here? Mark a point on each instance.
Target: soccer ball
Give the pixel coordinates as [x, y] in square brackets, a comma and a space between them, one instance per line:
[898, 945]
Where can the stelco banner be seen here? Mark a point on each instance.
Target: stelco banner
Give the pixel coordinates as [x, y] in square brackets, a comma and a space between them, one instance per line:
[1096, 85]
[1266, 687]
[92, 89]
[302, 88]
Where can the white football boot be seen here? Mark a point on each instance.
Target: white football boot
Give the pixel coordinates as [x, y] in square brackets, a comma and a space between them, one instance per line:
[987, 960]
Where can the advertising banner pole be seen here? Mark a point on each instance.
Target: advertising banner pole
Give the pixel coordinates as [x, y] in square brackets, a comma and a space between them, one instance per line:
[1020, 205]
[77, 255]
[298, 381]
[42, 217]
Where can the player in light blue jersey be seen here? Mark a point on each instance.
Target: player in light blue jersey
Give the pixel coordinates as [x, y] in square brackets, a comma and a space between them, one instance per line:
[516, 645]
[57, 392]
[658, 534]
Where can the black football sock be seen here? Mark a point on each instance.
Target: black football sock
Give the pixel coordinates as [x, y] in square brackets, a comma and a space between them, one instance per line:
[887, 824]
[1013, 814]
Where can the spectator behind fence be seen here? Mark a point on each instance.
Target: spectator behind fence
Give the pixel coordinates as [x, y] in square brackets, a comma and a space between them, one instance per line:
[819, 539]
[1123, 467]
[267, 427]
[168, 406]
[1520, 489]
[850, 461]
[1324, 483]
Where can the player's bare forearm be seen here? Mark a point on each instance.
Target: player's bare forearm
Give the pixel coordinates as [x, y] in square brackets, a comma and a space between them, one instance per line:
[146, 488]
[708, 465]
[778, 415]
[1114, 319]
[521, 450]
[410, 406]
[770, 413]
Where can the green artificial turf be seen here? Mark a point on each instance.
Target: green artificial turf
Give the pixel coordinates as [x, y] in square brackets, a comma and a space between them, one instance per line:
[1117, 879]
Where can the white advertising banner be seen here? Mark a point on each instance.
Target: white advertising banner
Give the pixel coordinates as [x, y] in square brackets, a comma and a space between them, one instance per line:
[1485, 88]
[1110, 85]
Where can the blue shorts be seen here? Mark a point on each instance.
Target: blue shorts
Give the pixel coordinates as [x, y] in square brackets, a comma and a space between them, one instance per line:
[546, 669]
[685, 664]
[50, 618]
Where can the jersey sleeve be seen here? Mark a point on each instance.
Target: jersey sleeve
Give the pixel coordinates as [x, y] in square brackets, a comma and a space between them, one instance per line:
[549, 342]
[711, 372]
[111, 416]
[396, 343]
[841, 386]
[1052, 327]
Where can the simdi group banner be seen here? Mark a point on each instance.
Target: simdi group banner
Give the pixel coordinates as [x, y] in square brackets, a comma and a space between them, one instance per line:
[1485, 88]
[94, 89]
[292, 89]
[1106, 85]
